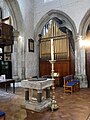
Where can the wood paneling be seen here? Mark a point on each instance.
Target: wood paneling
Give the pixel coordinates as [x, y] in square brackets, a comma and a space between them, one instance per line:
[62, 66]
[6, 34]
[45, 68]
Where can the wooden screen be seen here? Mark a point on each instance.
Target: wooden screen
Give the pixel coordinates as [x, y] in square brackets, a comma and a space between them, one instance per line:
[63, 52]
[61, 48]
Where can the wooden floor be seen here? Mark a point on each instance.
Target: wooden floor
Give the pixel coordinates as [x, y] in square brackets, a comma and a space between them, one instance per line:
[74, 106]
[71, 107]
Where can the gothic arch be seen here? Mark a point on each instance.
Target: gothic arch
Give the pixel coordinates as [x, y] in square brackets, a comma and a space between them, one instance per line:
[82, 32]
[58, 14]
[84, 23]
[16, 14]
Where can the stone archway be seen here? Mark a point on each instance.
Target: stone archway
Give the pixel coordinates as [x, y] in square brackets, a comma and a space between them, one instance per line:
[82, 31]
[58, 14]
[55, 14]
[18, 69]
[84, 24]
[16, 14]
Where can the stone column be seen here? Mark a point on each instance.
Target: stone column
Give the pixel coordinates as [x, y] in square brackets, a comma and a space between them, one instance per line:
[15, 55]
[80, 68]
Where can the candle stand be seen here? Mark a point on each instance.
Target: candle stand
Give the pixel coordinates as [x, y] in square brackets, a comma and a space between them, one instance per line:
[54, 105]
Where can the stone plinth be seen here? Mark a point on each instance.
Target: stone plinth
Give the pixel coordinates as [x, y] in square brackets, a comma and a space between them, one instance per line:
[39, 103]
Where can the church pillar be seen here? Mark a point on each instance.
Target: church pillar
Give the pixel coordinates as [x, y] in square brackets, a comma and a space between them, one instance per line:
[15, 56]
[80, 68]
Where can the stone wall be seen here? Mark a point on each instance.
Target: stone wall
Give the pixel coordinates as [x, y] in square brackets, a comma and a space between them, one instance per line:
[75, 9]
[27, 14]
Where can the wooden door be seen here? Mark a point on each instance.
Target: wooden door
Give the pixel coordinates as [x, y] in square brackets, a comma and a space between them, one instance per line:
[88, 66]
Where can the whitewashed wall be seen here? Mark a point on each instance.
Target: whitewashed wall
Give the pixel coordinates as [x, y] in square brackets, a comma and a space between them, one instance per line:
[27, 10]
[5, 10]
[75, 9]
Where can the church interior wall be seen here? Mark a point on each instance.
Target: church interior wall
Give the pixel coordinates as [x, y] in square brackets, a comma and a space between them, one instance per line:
[82, 7]
[31, 13]
[70, 8]
[27, 61]
[31, 58]
[5, 9]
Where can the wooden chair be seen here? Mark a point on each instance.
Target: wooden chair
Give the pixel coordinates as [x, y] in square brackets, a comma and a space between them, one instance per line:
[71, 84]
[2, 115]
